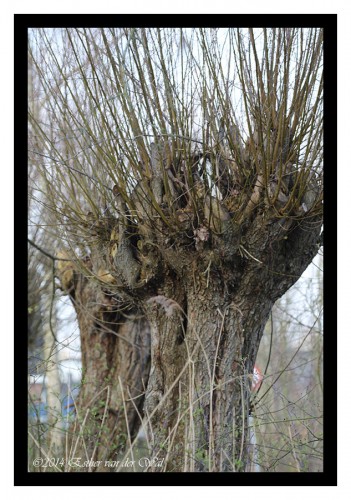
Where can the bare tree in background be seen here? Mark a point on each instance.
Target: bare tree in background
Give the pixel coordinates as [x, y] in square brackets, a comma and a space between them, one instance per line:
[43, 347]
[184, 176]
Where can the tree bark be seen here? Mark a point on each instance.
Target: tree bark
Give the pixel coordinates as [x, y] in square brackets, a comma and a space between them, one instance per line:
[198, 394]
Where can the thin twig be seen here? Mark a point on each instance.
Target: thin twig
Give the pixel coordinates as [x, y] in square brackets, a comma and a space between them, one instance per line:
[47, 254]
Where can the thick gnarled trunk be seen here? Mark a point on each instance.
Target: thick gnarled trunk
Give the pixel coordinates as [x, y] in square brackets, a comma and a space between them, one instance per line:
[187, 342]
[171, 305]
[115, 346]
[199, 388]
[198, 394]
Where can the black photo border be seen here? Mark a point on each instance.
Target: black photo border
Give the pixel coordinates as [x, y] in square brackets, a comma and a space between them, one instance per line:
[328, 477]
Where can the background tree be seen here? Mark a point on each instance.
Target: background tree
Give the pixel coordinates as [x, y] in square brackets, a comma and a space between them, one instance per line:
[185, 178]
[42, 346]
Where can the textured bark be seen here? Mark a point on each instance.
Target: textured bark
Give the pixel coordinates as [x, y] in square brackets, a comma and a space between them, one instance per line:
[199, 388]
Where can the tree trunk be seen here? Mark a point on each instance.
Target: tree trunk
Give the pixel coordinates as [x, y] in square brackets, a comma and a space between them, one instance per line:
[52, 373]
[198, 394]
[115, 344]
[200, 317]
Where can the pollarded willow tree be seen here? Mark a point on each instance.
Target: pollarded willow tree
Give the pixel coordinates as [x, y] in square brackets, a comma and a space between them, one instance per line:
[185, 177]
